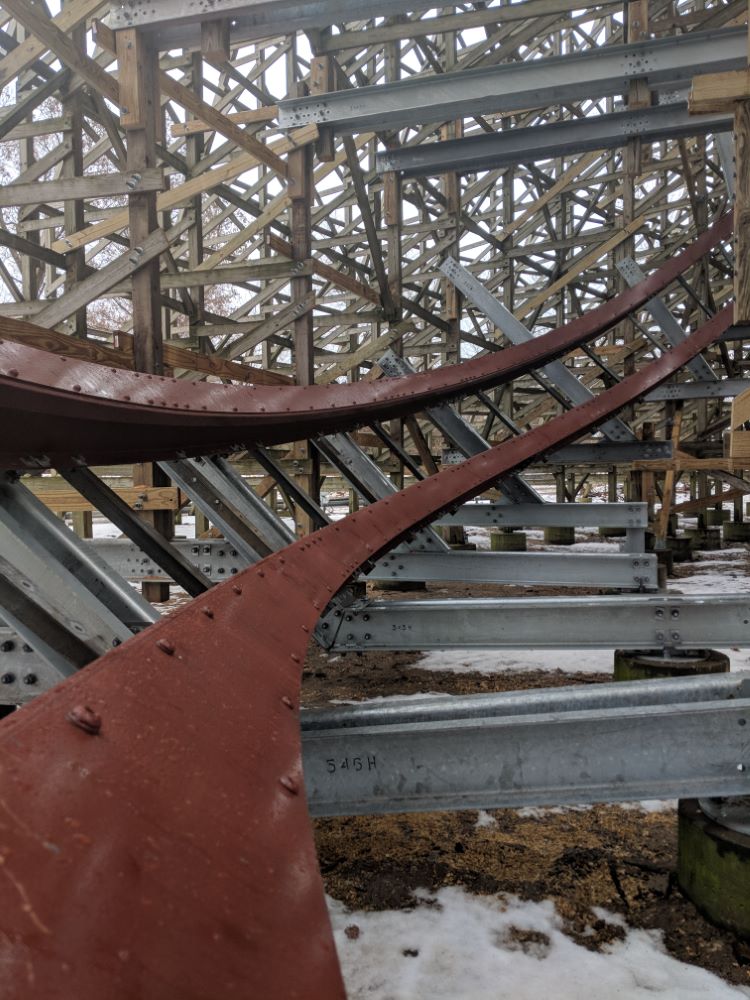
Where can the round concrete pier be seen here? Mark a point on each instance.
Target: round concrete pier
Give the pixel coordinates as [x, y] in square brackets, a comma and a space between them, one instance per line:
[713, 866]
[644, 664]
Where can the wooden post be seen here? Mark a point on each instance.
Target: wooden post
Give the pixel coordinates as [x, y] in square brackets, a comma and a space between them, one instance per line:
[73, 210]
[138, 68]
[301, 191]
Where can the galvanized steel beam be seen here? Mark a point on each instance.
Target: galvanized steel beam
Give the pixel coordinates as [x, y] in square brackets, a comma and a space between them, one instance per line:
[627, 622]
[666, 63]
[544, 142]
[572, 745]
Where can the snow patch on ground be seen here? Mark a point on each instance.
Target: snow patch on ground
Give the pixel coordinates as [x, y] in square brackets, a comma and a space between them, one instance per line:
[455, 946]
[492, 661]
[710, 584]
[484, 819]
[378, 699]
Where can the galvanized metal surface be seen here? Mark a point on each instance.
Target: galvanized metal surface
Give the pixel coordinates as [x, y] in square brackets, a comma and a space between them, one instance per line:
[625, 621]
[79, 413]
[155, 836]
[664, 63]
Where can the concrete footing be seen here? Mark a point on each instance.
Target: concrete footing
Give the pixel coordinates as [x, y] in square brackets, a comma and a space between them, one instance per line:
[610, 532]
[702, 541]
[644, 664]
[736, 532]
[508, 541]
[717, 517]
[680, 548]
[559, 536]
[713, 868]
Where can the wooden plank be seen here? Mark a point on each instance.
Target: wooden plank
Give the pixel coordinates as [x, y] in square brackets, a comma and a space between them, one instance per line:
[137, 497]
[279, 321]
[100, 281]
[32, 14]
[661, 522]
[252, 117]
[742, 212]
[89, 186]
[29, 50]
[687, 463]
[563, 181]
[580, 265]
[272, 211]
[325, 271]
[374, 347]
[694, 506]
[718, 91]
[21, 245]
[184, 192]
[122, 357]
[201, 109]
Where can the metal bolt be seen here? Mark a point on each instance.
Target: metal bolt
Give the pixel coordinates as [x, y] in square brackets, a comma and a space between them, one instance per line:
[165, 646]
[740, 767]
[290, 784]
[207, 612]
[85, 718]
[286, 700]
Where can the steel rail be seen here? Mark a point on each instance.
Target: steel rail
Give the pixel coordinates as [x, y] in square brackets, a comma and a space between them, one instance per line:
[105, 411]
[155, 834]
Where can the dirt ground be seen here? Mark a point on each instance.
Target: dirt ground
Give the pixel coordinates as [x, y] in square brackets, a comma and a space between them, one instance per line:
[618, 858]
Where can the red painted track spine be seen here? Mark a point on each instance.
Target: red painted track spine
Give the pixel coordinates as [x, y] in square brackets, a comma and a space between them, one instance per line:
[166, 851]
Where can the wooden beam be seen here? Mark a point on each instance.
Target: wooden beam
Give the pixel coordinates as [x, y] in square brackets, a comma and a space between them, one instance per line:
[719, 91]
[578, 266]
[255, 116]
[29, 50]
[89, 186]
[137, 497]
[32, 14]
[191, 102]
[122, 357]
[185, 191]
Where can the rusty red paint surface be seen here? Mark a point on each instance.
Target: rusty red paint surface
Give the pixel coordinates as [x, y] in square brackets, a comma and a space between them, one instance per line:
[167, 852]
[103, 411]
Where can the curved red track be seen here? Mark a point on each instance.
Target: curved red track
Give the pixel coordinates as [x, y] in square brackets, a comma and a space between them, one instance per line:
[103, 411]
[169, 853]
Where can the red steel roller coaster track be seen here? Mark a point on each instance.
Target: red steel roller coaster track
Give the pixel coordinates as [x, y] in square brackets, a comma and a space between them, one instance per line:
[154, 835]
[75, 412]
